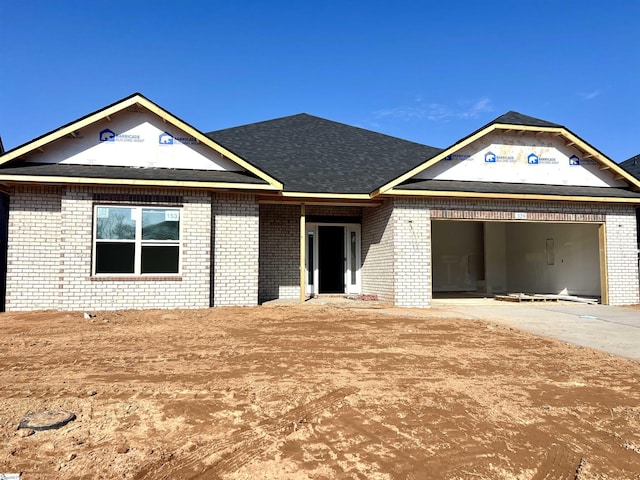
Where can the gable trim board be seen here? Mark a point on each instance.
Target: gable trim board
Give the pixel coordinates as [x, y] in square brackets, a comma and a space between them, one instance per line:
[243, 231]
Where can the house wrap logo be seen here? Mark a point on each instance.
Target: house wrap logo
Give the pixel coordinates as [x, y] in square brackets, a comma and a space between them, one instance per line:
[534, 159]
[109, 136]
[574, 160]
[491, 157]
[167, 139]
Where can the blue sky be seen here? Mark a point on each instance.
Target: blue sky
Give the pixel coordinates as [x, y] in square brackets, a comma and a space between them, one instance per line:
[431, 72]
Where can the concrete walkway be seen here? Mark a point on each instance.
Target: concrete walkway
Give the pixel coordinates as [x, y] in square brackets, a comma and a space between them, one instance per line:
[614, 330]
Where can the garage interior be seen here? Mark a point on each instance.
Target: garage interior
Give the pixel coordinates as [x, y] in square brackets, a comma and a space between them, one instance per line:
[480, 257]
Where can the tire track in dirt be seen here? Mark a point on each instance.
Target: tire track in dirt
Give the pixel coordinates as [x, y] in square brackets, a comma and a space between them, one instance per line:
[242, 447]
[560, 464]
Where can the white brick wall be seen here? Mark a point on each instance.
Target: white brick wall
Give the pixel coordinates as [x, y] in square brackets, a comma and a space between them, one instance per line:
[377, 252]
[412, 253]
[256, 253]
[51, 251]
[236, 240]
[279, 252]
[622, 258]
[34, 249]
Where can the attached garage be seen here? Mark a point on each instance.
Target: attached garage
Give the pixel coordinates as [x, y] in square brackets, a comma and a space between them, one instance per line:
[516, 256]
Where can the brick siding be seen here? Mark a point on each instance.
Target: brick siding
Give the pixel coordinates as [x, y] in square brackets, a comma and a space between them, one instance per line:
[236, 244]
[412, 253]
[256, 252]
[622, 257]
[34, 249]
[279, 252]
[377, 252]
[50, 248]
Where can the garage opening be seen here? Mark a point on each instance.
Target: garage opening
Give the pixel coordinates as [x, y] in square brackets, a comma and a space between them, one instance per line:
[508, 257]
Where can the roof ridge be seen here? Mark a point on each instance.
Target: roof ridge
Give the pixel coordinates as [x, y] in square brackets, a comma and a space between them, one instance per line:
[322, 119]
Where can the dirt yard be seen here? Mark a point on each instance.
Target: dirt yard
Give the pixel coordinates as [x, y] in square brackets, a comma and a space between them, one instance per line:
[310, 392]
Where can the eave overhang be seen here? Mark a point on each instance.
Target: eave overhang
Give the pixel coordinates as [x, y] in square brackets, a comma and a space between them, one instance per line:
[508, 196]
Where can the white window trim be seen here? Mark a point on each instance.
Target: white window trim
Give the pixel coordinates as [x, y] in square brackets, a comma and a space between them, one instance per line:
[138, 242]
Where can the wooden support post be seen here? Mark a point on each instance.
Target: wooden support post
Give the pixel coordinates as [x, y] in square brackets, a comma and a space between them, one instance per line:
[303, 243]
[604, 280]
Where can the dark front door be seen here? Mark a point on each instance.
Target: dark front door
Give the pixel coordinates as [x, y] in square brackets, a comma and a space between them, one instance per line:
[331, 259]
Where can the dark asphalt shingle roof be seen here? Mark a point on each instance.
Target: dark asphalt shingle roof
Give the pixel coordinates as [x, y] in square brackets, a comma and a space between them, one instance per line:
[632, 165]
[130, 173]
[314, 155]
[515, 118]
[517, 188]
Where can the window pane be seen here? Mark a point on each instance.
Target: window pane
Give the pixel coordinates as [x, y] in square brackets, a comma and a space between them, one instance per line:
[160, 224]
[115, 257]
[115, 223]
[160, 259]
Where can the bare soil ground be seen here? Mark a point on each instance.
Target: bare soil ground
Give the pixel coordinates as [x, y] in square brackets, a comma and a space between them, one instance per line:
[310, 392]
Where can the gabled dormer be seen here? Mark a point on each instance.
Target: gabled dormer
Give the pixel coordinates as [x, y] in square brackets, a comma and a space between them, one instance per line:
[135, 142]
[517, 156]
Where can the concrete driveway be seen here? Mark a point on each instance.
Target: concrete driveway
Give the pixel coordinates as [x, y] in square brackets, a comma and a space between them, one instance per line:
[614, 330]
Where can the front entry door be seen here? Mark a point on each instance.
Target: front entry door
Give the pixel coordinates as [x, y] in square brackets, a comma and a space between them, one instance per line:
[332, 258]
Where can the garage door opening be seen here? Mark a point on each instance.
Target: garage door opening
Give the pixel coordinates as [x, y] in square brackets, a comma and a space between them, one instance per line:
[480, 258]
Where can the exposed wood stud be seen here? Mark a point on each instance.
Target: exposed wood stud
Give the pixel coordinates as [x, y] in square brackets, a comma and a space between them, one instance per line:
[108, 117]
[73, 134]
[588, 155]
[41, 150]
[603, 166]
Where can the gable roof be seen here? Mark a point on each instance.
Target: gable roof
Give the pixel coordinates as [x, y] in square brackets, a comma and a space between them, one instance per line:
[309, 154]
[514, 121]
[13, 169]
[632, 165]
[516, 118]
